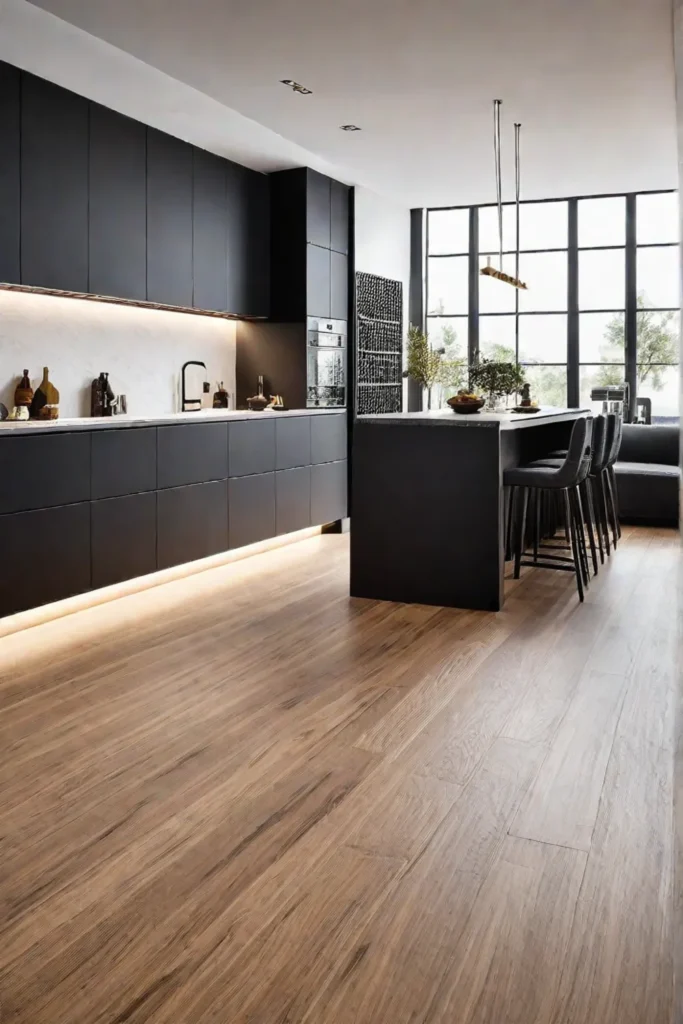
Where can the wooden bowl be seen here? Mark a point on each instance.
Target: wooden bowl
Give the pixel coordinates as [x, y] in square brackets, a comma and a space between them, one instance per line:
[466, 408]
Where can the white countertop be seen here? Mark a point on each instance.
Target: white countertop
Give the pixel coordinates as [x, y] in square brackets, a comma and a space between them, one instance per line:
[504, 420]
[11, 427]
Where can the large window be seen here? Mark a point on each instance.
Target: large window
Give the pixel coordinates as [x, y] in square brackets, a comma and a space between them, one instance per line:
[602, 304]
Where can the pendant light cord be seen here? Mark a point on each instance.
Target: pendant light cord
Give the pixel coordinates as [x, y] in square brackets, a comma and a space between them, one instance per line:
[518, 181]
[499, 181]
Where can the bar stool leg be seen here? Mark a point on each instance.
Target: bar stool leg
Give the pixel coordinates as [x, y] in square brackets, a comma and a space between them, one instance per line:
[521, 535]
[602, 510]
[612, 508]
[571, 527]
[587, 505]
[510, 523]
[615, 497]
[537, 522]
[580, 529]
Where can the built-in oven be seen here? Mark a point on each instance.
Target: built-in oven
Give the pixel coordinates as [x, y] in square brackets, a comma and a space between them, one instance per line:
[326, 363]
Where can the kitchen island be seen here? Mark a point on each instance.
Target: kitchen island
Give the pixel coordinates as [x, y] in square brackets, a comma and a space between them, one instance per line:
[427, 501]
[87, 503]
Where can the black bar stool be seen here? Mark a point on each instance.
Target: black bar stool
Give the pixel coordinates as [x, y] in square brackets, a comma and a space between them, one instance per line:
[562, 478]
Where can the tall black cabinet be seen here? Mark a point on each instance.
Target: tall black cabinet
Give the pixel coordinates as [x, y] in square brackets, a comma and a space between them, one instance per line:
[309, 246]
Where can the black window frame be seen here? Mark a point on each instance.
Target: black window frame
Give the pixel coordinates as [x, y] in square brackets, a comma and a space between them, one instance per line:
[573, 310]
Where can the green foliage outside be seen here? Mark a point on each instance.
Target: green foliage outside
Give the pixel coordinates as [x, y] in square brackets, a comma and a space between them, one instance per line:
[431, 366]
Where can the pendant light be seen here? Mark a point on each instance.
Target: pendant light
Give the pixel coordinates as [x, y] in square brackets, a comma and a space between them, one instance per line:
[488, 270]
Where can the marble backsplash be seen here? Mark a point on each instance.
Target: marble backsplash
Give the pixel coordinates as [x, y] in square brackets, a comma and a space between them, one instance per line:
[141, 349]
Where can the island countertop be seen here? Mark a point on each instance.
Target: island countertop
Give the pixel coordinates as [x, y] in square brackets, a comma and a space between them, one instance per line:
[502, 420]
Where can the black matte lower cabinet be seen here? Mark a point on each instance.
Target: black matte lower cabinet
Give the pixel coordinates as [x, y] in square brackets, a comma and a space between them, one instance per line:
[123, 461]
[252, 509]
[123, 538]
[192, 522]
[44, 470]
[191, 453]
[45, 556]
[292, 500]
[328, 492]
[293, 442]
[252, 446]
[329, 438]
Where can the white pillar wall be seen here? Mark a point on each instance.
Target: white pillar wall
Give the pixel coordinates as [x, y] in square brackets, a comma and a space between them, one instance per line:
[678, 58]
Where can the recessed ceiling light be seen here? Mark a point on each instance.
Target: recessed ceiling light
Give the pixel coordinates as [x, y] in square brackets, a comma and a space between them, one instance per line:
[296, 87]
[350, 128]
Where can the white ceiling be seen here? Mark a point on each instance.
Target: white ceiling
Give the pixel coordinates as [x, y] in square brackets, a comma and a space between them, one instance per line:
[592, 82]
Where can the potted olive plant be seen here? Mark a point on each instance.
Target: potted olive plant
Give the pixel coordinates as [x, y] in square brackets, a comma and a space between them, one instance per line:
[427, 365]
[496, 380]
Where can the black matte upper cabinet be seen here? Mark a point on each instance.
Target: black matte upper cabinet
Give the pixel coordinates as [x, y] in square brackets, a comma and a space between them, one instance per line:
[339, 217]
[210, 256]
[339, 286]
[318, 197]
[318, 281]
[10, 180]
[169, 219]
[54, 543]
[54, 186]
[118, 205]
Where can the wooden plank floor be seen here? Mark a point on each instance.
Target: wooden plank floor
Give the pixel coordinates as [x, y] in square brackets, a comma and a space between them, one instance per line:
[244, 797]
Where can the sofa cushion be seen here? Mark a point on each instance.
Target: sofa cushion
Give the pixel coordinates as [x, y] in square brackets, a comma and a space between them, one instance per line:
[648, 492]
[653, 444]
[647, 469]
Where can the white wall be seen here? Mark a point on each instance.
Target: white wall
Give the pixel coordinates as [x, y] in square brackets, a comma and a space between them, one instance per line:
[141, 349]
[383, 240]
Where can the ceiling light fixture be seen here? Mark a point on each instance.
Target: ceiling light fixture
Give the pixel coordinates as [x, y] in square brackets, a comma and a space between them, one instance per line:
[296, 86]
[489, 270]
[350, 128]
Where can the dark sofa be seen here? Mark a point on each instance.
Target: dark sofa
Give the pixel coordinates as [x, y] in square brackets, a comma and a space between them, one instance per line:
[648, 474]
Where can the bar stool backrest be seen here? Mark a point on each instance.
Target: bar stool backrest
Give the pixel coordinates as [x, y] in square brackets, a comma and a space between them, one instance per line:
[610, 430]
[613, 453]
[578, 453]
[598, 439]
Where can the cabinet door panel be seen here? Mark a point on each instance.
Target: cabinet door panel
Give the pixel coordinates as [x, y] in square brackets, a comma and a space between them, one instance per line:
[118, 205]
[328, 493]
[45, 556]
[317, 281]
[54, 186]
[328, 437]
[318, 209]
[124, 538]
[293, 499]
[210, 257]
[44, 470]
[339, 217]
[169, 219]
[252, 509]
[339, 286]
[293, 442]
[192, 523]
[123, 461]
[192, 453]
[257, 299]
[10, 178]
[252, 446]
